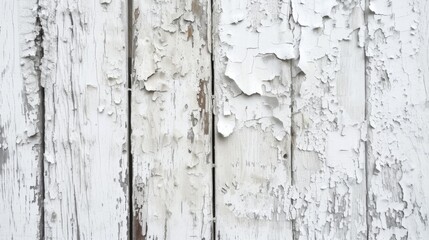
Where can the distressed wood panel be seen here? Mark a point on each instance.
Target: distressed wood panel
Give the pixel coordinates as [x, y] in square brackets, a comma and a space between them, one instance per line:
[398, 102]
[21, 190]
[329, 120]
[84, 69]
[252, 43]
[171, 120]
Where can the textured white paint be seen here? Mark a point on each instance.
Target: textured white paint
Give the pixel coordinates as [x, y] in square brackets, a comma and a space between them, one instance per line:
[328, 120]
[398, 157]
[297, 119]
[171, 120]
[256, 46]
[253, 40]
[84, 75]
[20, 122]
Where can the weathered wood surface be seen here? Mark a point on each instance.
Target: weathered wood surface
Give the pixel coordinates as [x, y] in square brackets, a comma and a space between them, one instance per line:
[320, 130]
[252, 43]
[171, 120]
[84, 72]
[329, 125]
[398, 101]
[21, 188]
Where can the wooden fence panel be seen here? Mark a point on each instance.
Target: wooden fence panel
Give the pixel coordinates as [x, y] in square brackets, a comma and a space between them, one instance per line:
[398, 100]
[171, 120]
[84, 70]
[329, 120]
[320, 114]
[252, 43]
[21, 187]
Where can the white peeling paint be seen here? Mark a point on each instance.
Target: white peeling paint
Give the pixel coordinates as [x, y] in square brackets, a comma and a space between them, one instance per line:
[398, 100]
[171, 120]
[329, 112]
[84, 70]
[20, 122]
[253, 42]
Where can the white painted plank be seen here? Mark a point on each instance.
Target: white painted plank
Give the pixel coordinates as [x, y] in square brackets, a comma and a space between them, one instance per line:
[171, 120]
[21, 188]
[253, 42]
[84, 70]
[398, 101]
[328, 120]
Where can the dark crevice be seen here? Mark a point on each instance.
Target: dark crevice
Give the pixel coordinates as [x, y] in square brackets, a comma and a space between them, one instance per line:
[292, 141]
[213, 121]
[130, 54]
[41, 124]
[367, 200]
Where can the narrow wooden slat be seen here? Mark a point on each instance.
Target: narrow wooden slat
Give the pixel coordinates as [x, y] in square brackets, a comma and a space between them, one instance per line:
[171, 120]
[252, 43]
[328, 120]
[84, 70]
[20, 122]
[398, 101]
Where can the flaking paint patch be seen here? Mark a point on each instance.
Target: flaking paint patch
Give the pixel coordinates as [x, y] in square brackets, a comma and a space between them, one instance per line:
[171, 109]
[255, 40]
[329, 113]
[266, 55]
[252, 46]
[20, 128]
[84, 73]
[398, 114]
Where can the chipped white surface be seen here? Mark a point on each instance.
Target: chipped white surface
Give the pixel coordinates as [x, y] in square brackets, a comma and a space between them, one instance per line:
[83, 71]
[252, 87]
[398, 101]
[171, 120]
[20, 122]
[300, 126]
[328, 118]
[267, 54]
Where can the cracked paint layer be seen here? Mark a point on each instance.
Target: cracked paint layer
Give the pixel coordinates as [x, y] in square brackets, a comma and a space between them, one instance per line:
[171, 120]
[329, 120]
[21, 187]
[398, 104]
[252, 46]
[280, 67]
[84, 75]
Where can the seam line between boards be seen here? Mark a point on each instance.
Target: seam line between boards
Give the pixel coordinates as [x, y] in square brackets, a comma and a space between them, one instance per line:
[129, 52]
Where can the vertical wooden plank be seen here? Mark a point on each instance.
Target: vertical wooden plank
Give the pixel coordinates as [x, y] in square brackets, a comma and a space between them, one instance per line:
[171, 120]
[398, 154]
[253, 42]
[84, 69]
[328, 120]
[21, 187]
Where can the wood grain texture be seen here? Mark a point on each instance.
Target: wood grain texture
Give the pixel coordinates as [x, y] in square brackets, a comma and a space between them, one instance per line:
[21, 188]
[171, 120]
[329, 120]
[398, 103]
[252, 43]
[84, 69]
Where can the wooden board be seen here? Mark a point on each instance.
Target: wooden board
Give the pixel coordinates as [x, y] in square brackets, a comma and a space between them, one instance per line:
[329, 121]
[252, 43]
[21, 132]
[171, 120]
[84, 70]
[398, 153]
